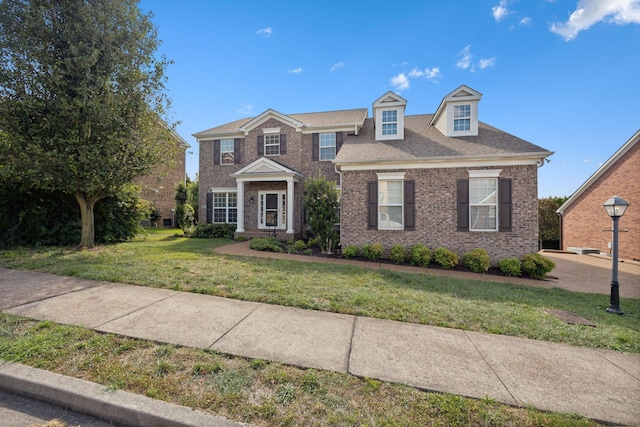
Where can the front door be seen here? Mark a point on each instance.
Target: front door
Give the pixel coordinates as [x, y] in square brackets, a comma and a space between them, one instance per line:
[272, 212]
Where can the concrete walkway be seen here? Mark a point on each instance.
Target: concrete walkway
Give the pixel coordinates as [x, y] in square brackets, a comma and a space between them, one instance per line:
[599, 384]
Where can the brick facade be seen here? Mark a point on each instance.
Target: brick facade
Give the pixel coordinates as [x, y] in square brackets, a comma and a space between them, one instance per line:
[436, 213]
[298, 157]
[160, 188]
[584, 222]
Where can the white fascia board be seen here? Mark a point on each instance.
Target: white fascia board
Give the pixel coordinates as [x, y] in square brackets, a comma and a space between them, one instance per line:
[270, 113]
[343, 127]
[444, 162]
[212, 136]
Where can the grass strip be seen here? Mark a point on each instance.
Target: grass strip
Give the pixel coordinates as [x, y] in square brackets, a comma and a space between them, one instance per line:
[254, 391]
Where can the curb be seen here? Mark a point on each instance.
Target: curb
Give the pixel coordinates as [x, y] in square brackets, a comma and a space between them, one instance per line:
[93, 399]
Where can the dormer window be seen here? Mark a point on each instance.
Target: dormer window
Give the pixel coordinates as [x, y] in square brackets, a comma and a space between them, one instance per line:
[461, 118]
[388, 117]
[390, 122]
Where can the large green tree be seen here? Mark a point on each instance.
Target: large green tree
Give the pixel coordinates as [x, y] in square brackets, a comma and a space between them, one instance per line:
[548, 219]
[83, 103]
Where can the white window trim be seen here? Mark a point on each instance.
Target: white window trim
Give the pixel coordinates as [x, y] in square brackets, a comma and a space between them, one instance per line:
[226, 208]
[320, 147]
[270, 130]
[222, 152]
[391, 176]
[391, 122]
[483, 174]
[271, 145]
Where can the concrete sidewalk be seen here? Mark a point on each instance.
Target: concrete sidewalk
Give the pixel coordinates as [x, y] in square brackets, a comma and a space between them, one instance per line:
[599, 384]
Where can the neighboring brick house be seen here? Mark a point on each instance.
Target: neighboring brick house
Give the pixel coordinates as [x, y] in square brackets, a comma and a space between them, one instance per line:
[443, 179]
[160, 188]
[584, 221]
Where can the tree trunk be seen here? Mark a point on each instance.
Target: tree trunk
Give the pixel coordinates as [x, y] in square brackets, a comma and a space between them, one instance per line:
[88, 226]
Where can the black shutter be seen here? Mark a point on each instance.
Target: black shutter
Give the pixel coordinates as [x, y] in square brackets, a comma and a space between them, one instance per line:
[236, 150]
[315, 147]
[372, 203]
[209, 208]
[339, 141]
[463, 205]
[216, 151]
[283, 143]
[504, 204]
[260, 145]
[409, 205]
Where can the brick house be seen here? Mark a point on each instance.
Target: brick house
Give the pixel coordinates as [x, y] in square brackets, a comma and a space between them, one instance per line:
[160, 188]
[584, 222]
[442, 179]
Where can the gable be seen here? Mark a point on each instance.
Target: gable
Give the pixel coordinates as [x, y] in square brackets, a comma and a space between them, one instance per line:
[268, 115]
[265, 169]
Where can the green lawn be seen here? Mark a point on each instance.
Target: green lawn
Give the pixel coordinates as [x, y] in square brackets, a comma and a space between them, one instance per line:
[161, 259]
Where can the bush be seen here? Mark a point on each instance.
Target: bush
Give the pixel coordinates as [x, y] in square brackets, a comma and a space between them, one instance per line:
[398, 254]
[536, 265]
[445, 258]
[350, 251]
[372, 252]
[420, 255]
[269, 244]
[510, 267]
[211, 231]
[477, 260]
[300, 245]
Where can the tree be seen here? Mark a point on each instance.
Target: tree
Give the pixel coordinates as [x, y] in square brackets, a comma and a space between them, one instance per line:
[548, 219]
[82, 98]
[321, 200]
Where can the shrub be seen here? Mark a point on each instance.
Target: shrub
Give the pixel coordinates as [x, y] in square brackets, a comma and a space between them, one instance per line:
[477, 260]
[300, 245]
[372, 252]
[350, 251]
[210, 231]
[510, 267]
[536, 265]
[270, 244]
[445, 258]
[291, 249]
[398, 253]
[420, 255]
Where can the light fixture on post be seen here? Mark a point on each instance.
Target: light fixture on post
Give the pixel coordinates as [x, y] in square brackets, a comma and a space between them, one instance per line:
[615, 207]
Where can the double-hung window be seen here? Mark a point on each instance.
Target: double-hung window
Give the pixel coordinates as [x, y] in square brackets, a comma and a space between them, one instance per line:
[272, 144]
[327, 146]
[483, 204]
[461, 117]
[390, 203]
[390, 122]
[225, 207]
[226, 152]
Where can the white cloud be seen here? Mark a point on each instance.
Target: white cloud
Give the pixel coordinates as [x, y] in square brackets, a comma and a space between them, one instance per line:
[500, 10]
[590, 12]
[265, 32]
[337, 66]
[295, 70]
[486, 62]
[427, 73]
[400, 82]
[586, 160]
[525, 21]
[465, 57]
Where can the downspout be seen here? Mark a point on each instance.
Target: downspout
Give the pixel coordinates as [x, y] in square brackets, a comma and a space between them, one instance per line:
[335, 168]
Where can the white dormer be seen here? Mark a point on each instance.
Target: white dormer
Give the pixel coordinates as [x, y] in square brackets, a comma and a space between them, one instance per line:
[388, 116]
[457, 114]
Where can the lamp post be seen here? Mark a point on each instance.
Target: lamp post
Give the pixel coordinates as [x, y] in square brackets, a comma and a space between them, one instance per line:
[615, 207]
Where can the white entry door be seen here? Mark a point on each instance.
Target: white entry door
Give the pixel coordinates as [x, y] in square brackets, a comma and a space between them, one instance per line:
[272, 210]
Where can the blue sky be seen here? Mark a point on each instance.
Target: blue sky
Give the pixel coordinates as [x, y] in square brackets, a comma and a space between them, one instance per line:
[562, 74]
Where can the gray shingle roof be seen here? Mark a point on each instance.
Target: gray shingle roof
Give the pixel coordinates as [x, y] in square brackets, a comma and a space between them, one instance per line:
[422, 141]
[311, 120]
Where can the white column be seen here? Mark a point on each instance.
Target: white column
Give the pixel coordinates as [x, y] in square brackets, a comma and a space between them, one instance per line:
[290, 206]
[240, 194]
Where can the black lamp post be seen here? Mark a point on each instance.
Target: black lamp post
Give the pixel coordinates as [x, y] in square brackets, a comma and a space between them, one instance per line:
[615, 207]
